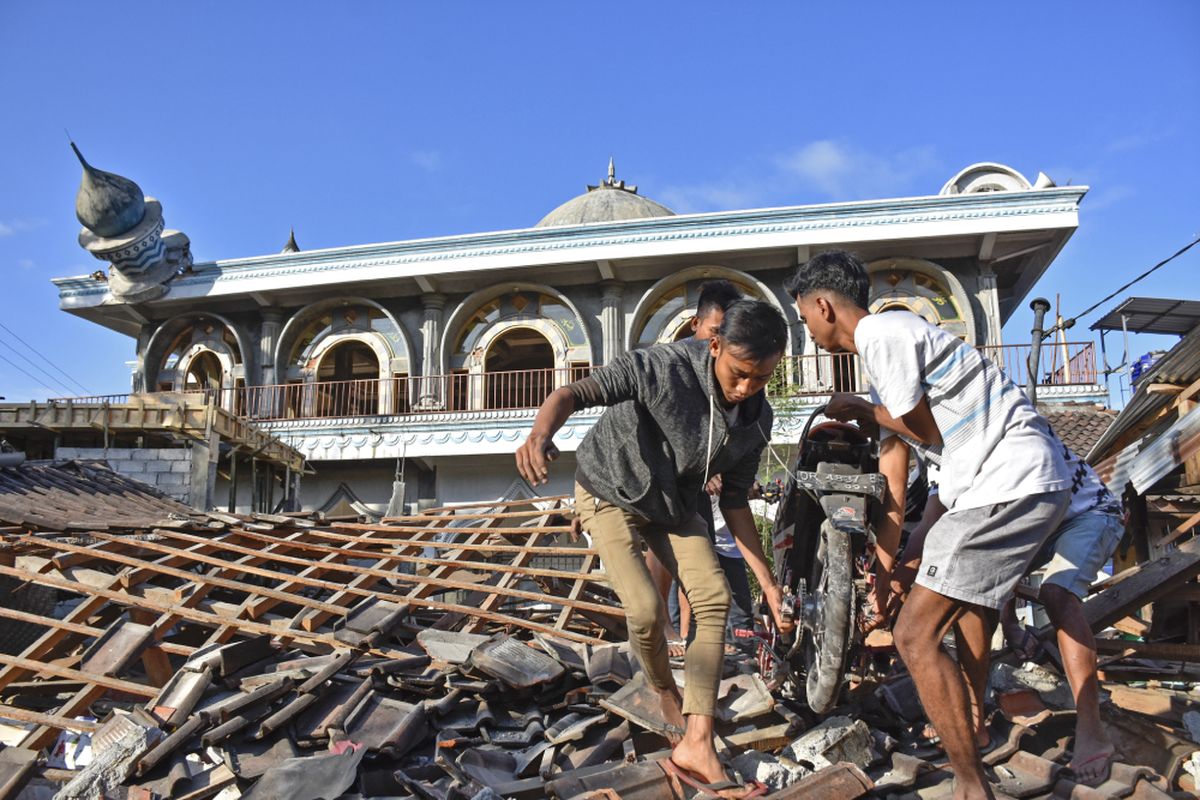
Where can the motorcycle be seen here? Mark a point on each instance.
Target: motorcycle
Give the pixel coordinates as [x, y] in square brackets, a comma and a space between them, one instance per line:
[822, 540]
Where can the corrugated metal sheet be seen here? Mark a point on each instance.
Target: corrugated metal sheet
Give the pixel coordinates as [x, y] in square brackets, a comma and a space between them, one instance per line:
[1149, 460]
[1181, 366]
[1156, 460]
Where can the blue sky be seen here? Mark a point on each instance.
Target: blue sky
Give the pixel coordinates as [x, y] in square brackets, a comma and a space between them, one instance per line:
[381, 121]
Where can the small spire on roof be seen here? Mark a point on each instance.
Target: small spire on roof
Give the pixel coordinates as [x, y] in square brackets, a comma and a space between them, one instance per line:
[611, 181]
[291, 246]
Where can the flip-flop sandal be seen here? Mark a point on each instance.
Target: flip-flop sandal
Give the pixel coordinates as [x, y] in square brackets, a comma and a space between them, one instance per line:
[676, 648]
[754, 788]
[1109, 756]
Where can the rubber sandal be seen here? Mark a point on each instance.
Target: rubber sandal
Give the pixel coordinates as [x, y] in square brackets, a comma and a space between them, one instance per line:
[676, 648]
[1109, 757]
[754, 789]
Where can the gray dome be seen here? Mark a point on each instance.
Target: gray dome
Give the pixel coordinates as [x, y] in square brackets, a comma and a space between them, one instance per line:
[611, 201]
[107, 204]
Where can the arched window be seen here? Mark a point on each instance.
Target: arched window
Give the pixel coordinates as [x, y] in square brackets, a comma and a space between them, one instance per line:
[343, 357]
[347, 381]
[926, 290]
[197, 353]
[667, 308]
[519, 366]
[203, 372]
[513, 348]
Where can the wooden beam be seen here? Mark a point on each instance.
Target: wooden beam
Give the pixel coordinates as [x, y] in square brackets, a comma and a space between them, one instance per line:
[1157, 650]
[1180, 529]
[1141, 585]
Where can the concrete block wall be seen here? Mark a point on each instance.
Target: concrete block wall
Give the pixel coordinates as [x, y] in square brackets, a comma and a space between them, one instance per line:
[171, 470]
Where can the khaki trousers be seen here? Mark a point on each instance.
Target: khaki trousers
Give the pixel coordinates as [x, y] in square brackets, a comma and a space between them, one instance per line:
[687, 553]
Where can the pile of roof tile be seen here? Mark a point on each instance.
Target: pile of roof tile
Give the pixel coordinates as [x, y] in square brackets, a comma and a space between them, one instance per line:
[471, 653]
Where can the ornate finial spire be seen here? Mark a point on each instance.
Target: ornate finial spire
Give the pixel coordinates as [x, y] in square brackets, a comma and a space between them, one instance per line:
[291, 246]
[107, 204]
[611, 181]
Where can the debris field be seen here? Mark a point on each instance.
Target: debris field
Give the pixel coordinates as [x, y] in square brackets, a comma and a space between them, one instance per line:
[150, 650]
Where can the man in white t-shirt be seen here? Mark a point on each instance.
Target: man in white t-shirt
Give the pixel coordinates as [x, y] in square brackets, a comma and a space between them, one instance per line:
[1003, 482]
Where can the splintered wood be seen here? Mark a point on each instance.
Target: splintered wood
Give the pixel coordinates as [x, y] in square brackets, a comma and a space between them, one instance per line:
[142, 601]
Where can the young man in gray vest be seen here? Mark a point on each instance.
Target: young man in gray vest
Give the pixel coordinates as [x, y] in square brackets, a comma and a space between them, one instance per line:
[677, 414]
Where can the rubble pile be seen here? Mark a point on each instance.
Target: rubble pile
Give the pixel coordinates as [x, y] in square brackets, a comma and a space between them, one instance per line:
[474, 653]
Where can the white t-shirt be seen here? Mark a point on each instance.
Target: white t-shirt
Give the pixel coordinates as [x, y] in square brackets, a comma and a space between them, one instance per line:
[1088, 492]
[995, 447]
[722, 537]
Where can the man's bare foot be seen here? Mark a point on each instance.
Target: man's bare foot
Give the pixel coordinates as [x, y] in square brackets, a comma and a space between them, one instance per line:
[697, 756]
[672, 708]
[1092, 760]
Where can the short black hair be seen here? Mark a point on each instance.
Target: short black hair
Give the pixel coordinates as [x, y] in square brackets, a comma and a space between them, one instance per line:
[755, 328]
[833, 270]
[716, 295]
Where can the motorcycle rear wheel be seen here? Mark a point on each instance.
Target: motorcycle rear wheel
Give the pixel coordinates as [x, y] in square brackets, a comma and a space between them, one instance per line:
[827, 644]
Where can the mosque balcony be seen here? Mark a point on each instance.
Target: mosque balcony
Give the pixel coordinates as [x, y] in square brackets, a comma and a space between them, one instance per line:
[486, 413]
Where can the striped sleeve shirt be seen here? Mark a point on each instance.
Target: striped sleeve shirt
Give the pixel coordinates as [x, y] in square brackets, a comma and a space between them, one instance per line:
[995, 446]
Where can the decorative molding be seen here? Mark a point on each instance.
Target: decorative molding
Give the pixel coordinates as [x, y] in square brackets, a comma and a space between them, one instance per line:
[552, 242]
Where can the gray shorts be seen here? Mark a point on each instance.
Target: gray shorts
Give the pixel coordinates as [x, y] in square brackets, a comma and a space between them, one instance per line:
[1079, 548]
[978, 555]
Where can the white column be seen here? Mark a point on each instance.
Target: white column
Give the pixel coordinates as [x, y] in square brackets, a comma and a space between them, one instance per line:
[430, 393]
[138, 380]
[612, 321]
[268, 340]
[989, 298]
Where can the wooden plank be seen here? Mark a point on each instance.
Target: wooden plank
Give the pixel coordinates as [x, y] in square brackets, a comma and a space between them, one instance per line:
[1165, 651]
[496, 595]
[317, 583]
[47, 720]
[58, 671]
[253, 627]
[84, 630]
[222, 583]
[225, 543]
[564, 616]
[1141, 585]
[1180, 529]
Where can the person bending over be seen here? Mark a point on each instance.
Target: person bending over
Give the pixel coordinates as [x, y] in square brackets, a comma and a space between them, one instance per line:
[677, 414]
[1003, 482]
[1069, 563]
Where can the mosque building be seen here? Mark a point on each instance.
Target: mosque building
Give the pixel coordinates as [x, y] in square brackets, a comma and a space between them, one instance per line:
[429, 356]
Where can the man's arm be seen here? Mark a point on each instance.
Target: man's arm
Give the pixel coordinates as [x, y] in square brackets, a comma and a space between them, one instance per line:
[906, 572]
[893, 465]
[539, 449]
[917, 425]
[745, 534]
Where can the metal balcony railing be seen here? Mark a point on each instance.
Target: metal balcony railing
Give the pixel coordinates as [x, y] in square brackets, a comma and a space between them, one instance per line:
[1073, 363]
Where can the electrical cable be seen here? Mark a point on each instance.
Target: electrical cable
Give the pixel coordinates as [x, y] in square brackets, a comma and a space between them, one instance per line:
[40, 369]
[47, 360]
[1069, 323]
[29, 374]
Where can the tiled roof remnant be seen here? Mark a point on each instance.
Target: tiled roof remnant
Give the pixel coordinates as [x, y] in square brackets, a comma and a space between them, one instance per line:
[468, 653]
[72, 495]
[1079, 428]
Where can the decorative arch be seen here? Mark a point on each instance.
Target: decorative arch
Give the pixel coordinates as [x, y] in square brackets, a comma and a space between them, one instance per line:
[179, 341]
[988, 176]
[488, 313]
[322, 325]
[926, 289]
[664, 308]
